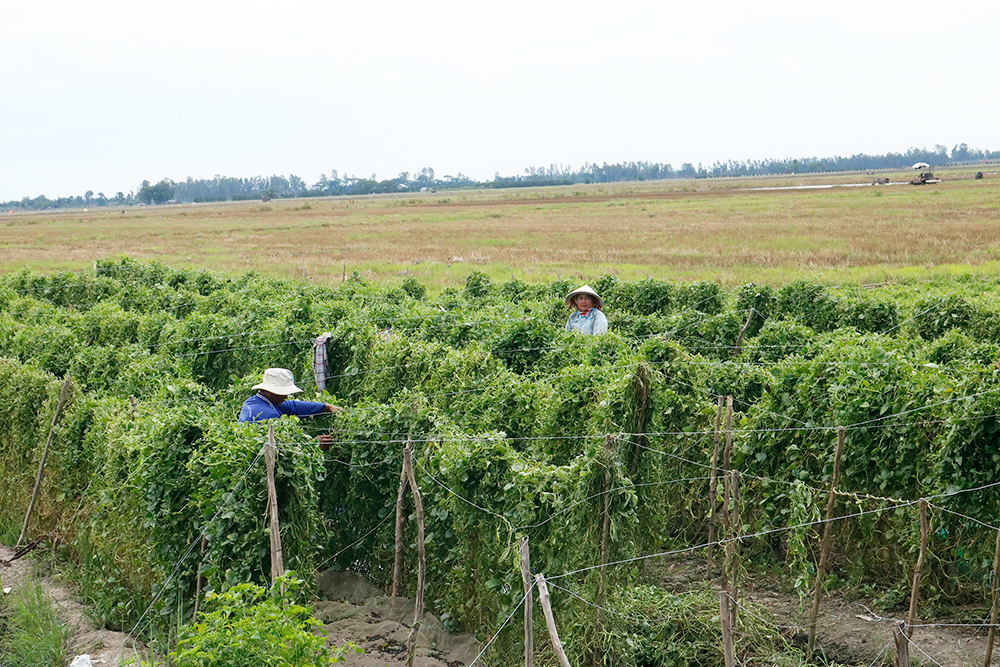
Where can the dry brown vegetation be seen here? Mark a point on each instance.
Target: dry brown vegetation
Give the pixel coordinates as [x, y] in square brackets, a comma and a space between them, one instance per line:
[723, 229]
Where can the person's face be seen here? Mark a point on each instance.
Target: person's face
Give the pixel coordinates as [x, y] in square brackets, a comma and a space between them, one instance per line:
[584, 302]
[276, 399]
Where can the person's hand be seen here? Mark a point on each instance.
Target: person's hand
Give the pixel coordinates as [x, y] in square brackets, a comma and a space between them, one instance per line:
[324, 441]
[330, 407]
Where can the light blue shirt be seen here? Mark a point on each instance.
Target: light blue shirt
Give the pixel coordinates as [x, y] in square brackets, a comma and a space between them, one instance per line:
[593, 323]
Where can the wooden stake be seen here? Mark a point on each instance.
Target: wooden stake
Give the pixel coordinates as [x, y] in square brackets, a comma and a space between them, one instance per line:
[825, 544]
[713, 487]
[996, 602]
[640, 422]
[734, 565]
[915, 591]
[197, 589]
[397, 568]
[727, 629]
[727, 523]
[41, 464]
[529, 631]
[902, 645]
[418, 610]
[605, 546]
[739, 339]
[726, 611]
[550, 621]
[277, 564]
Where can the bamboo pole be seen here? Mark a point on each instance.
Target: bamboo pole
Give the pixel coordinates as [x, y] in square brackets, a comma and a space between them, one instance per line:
[529, 631]
[713, 487]
[825, 544]
[918, 571]
[996, 602]
[397, 567]
[418, 609]
[277, 563]
[41, 464]
[550, 621]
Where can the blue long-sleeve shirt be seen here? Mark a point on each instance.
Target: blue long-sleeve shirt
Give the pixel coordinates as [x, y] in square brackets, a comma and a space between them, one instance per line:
[258, 409]
[593, 323]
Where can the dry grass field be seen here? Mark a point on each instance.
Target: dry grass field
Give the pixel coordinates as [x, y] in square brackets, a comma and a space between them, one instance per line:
[727, 230]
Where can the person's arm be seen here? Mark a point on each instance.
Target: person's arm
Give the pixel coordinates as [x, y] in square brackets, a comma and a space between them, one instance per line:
[303, 408]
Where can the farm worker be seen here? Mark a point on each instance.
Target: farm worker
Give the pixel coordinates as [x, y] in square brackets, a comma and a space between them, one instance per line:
[270, 402]
[588, 318]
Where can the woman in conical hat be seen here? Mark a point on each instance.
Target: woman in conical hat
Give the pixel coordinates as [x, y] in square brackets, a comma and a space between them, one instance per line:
[588, 318]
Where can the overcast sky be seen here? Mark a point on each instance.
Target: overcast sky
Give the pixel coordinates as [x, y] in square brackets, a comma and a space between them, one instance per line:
[102, 94]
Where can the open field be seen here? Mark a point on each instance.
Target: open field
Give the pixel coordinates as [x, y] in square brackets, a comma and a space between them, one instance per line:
[724, 230]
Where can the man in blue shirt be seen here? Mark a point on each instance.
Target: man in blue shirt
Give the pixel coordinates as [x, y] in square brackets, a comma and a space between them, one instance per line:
[271, 401]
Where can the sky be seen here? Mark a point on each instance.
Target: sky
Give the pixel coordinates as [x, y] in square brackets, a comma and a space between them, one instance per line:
[103, 94]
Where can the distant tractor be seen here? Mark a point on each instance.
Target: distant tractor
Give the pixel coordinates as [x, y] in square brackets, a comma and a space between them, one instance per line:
[925, 176]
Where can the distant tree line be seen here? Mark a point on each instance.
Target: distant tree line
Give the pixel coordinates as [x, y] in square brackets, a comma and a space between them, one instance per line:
[226, 188]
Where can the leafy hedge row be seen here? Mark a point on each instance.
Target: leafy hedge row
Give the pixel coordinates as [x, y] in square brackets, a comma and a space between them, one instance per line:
[510, 418]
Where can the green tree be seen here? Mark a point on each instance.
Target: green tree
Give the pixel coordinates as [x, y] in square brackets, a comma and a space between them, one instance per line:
[160, 193]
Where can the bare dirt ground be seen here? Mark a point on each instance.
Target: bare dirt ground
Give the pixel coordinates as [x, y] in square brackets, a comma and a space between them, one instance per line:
[848, 631]
[357, 612]
[354, 612]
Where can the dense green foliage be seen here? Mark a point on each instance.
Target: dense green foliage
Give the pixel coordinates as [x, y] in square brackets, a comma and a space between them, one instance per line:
[248, 626]
[517, 428]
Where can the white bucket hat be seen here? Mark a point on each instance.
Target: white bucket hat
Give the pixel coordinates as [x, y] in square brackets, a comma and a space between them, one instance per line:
[278, 381]
[586, 289]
